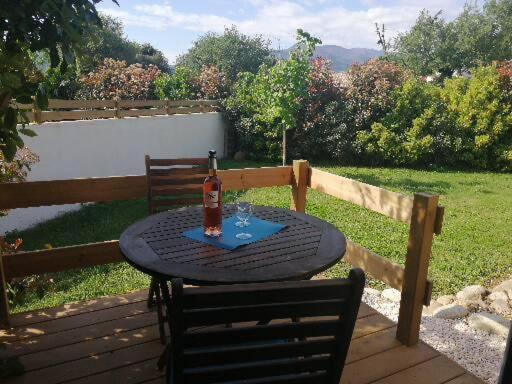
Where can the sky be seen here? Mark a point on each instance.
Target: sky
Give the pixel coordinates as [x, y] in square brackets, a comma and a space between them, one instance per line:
[173, 25]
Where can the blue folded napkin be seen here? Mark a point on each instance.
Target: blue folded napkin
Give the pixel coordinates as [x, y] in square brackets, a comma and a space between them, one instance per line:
[259, 229]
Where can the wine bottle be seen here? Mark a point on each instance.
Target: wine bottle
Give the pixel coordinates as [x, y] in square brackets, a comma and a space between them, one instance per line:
[212, 199]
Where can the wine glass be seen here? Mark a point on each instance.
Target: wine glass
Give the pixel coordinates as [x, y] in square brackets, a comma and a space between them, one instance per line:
[244, 212]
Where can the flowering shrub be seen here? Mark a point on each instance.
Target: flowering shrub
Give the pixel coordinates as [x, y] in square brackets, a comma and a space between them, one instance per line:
[367, 90]
[16, 170]
[318, 133]
[211, 83]
[117, 79]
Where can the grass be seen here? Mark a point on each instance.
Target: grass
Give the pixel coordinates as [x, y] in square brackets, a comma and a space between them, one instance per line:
[475, 247]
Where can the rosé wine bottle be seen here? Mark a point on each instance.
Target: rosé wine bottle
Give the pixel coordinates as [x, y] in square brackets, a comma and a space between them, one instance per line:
[212, 199]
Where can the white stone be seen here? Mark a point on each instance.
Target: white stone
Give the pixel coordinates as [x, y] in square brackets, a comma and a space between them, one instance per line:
[489, 322]
[450, 311]
[446, 299]
[500, 306]
[392, 294]
[503, 286]
[472, 293]
[372, 291]
[428, 311]
[498, 295]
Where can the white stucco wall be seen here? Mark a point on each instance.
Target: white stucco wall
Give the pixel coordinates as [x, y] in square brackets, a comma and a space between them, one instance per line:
[111, 147]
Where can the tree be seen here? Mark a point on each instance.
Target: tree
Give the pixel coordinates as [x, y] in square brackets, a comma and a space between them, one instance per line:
[428, 48]
[232, 52]
[54, 25]
[108, 41]
[478, 36]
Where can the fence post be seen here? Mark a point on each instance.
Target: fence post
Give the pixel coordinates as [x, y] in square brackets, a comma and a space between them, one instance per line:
[419, 247]
[300, 177]
[117, 109]
[4, 302]
[38, 116]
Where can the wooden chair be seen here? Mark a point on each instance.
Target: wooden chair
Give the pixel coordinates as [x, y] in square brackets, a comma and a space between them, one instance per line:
[506, 370]
[262, 345]
[172, 183]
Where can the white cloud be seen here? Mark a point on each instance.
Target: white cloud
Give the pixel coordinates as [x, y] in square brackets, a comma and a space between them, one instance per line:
[278, 20]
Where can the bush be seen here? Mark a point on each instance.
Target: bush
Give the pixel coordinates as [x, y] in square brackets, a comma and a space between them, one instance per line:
[418, 130]
[117, 79]
[17, 170]
[318, 134]
[179, 86]
[467, 122]
[211, 83]
[482, 107]
[366, 90]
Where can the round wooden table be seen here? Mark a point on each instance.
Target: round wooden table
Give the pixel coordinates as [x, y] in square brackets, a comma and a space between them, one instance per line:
[307, 246]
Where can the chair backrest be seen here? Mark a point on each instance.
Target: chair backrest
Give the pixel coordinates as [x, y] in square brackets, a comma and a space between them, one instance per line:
[286, 332]
[174, 182]
[506, 369]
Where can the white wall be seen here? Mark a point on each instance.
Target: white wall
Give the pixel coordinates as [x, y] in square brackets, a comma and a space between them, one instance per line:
[111, 147]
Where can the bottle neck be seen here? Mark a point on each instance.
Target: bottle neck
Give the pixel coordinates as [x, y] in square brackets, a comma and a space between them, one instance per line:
[212, 166]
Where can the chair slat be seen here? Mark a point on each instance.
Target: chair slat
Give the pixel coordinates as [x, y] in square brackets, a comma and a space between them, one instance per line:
[216, 373]
[258, 312]
[267, 293]
[178, 171]
[226, 336]
[164, 190]
[179, 179]
[305, 378]
[258, 351]
[168, 162]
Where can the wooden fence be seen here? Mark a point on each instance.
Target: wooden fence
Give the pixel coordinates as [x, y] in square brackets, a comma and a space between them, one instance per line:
[103, 109]
[421, 213]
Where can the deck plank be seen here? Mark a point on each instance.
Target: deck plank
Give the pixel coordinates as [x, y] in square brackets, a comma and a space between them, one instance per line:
[73, 322]
[115, 340]
[77, 308]
[386, 363]
[436, 371]
[82, 334]
[466, 378]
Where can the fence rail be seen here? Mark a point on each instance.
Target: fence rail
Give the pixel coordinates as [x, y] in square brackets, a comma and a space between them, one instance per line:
[421, 213]
[106, 109]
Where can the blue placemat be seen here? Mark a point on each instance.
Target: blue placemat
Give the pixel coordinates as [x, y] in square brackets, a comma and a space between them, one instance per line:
[259, 229]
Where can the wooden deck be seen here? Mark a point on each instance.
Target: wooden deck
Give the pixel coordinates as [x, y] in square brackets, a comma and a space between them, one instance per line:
[115, 340]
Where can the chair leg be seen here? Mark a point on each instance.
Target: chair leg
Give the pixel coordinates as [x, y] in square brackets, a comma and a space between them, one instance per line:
[153, 287]
[160, 313]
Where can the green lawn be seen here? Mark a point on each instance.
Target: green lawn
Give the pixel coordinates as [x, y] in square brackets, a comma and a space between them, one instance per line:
[475, 247]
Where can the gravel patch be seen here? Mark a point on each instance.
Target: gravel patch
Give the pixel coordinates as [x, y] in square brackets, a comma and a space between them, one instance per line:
[478, 352]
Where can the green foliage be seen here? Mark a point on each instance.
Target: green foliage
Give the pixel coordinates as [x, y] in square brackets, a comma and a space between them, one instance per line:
[479, 35]
[483, 112]
[264, 105]
[62, 84]
[418, 130]
[464, 122]
[53, 25]
[232, 52]
[108, 41]
[177, 86]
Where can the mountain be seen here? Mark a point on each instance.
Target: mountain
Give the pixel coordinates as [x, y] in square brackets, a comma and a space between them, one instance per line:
[342, 58]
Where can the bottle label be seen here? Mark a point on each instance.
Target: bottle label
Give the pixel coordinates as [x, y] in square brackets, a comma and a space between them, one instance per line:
[212, 199]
